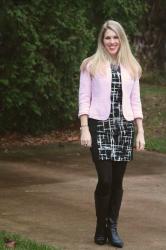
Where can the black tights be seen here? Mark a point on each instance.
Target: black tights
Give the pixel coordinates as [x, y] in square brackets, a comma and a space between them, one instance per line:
[110, 176]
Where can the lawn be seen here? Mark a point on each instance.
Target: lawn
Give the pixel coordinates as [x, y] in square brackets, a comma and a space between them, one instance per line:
[154, 109]
[21, 243]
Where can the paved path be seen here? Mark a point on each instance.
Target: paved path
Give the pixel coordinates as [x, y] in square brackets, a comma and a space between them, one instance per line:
[47, 195]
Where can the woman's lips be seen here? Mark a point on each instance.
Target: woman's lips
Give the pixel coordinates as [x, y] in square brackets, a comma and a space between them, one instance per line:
[112, 48]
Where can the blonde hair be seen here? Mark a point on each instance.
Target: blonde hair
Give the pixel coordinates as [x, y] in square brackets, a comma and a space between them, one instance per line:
[124, 55]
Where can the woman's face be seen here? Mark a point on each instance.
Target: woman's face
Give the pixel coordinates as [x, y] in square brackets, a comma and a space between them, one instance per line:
[111, 42]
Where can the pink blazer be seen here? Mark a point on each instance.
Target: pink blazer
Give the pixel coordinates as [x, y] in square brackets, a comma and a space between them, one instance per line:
[94, 95]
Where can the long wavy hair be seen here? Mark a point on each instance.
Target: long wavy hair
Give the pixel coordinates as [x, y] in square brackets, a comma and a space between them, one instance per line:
[124, 56]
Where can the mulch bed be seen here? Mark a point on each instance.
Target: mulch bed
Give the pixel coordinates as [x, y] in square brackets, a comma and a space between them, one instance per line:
[12, 140]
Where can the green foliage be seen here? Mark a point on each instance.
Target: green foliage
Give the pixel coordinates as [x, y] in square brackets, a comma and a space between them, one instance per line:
[42, 44]
[154, 77]
[129, 13]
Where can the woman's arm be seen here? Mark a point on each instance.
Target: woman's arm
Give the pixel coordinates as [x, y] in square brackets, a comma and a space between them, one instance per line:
[85, 90]
[136, 100]
[137, 111]
[140, 140]
[84, 105]
[85, 133]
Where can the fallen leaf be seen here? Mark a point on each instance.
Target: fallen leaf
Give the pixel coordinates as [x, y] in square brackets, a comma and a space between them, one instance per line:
[10, 243]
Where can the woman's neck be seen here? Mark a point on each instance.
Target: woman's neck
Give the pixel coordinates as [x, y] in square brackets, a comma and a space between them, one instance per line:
[114, 60]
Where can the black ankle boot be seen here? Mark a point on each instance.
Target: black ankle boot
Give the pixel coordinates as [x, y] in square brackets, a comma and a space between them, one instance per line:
[101, 205]
[112, 234]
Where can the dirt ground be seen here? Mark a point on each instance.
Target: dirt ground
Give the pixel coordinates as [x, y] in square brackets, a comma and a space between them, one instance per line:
[47, 195]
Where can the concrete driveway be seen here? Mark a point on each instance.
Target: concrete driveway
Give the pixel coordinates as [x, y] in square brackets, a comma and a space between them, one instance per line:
[47, 195]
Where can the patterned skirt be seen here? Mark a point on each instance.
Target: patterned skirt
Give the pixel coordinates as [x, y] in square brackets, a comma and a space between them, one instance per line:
[112, 139]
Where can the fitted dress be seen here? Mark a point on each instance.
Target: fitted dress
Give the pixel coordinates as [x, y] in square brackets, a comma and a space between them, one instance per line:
[113, 139]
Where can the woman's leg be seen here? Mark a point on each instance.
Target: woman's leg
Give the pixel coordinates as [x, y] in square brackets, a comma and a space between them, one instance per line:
[102, 198]
[118, 171]
[119, 168]
[104, 173]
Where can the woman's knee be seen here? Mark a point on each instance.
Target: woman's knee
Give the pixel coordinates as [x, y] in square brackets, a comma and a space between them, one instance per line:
[103, 187]
[117, 184]
[104, 171]
[119, 169]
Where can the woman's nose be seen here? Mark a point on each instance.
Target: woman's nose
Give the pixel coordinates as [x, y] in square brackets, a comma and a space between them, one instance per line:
[112, 40]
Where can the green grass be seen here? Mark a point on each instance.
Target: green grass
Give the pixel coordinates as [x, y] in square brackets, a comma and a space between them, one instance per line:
[156, 144]
[154, 109]
[21, 243]
[152, 90]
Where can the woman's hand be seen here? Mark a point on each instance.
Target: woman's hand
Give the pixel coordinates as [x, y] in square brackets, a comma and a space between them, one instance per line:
[140, 141]
[86, 139]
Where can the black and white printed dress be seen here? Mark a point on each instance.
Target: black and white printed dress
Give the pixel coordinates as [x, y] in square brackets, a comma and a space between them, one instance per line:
[113, 139]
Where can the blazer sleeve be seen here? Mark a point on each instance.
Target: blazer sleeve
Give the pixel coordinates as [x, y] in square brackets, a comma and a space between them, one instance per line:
[85, 90]
[136, 100]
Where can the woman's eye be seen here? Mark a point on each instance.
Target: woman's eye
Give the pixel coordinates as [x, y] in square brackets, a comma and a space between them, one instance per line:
[114, 37]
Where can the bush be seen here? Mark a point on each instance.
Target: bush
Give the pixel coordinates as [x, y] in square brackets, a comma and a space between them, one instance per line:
[42, 46]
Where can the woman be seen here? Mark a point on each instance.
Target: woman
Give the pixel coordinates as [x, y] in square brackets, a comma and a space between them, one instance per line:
[109, 107]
